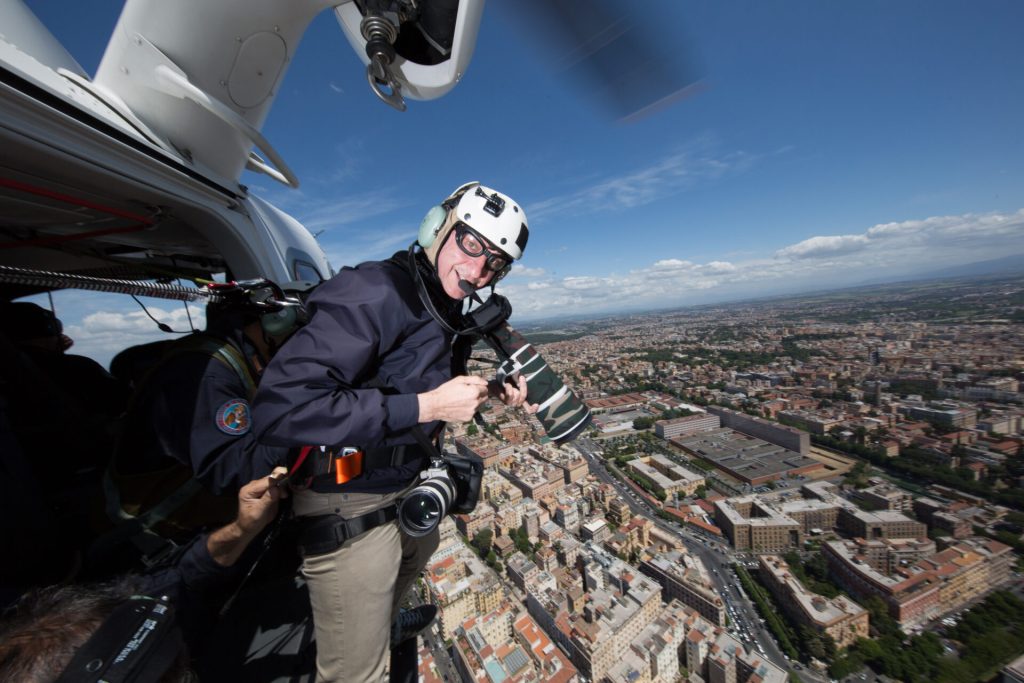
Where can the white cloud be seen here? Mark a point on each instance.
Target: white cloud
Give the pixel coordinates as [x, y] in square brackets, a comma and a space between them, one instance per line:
[721, 267]
[979, 233]
[890, 250]
[824, 246]
[351, 247]
[673, 173]
[100, 335]
[582, 283]
[519, 270]
[335, 213]
[672, 264]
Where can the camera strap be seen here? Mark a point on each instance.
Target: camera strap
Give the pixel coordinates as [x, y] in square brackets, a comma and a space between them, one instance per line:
[426, 444]
[137, 642]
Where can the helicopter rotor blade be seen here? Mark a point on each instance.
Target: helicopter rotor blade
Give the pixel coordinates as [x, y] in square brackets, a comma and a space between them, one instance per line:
[632, 61]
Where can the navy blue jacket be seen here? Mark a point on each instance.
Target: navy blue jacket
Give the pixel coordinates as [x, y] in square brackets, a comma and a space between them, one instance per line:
[366, 324]
[194, 410]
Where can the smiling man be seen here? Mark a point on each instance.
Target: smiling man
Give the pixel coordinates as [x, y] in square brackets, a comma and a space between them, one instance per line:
[384, 354]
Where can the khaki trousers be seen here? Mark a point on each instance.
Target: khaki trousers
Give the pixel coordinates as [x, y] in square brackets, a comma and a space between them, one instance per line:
[355, 591]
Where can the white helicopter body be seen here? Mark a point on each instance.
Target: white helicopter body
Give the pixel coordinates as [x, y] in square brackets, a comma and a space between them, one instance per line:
[135, 173]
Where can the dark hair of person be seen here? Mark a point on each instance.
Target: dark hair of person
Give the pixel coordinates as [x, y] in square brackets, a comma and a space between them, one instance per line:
[40, 634]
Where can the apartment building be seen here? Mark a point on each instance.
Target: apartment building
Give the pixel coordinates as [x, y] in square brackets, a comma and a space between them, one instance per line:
[928, 588]
[840, 618]
[461, 586]
[682, 578]
[667, 429]
[597, 625]
[508, 646]
[750, 524]
[717, 657]
[881, 524]
[665, 476]
[884, 497]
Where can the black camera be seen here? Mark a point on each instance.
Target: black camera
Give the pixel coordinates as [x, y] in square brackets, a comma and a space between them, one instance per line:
[450, 484]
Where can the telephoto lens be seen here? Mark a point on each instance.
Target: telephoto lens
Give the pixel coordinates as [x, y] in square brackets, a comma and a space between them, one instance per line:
[422, 510]
[562, 414]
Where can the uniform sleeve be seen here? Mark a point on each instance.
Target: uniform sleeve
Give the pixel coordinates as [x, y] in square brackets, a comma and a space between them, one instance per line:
[311, 393]
[223, 448]
[195, 571]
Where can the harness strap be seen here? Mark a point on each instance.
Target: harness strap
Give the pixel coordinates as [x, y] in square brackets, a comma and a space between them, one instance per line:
[233, 358]
[325, 533]
[221, 349]
[137, 528]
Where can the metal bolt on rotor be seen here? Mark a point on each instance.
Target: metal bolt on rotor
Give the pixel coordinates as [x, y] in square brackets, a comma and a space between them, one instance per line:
[380, 35]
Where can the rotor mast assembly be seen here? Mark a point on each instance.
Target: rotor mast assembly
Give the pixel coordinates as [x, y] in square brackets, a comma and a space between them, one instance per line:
[380, 34]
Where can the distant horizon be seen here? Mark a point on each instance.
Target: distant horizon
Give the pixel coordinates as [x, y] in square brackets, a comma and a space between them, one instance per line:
[924, 278]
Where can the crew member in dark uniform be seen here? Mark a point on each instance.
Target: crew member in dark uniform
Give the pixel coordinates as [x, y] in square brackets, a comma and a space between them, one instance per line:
[66, 403]
[57, 417]
[187, 444]
[380, 357]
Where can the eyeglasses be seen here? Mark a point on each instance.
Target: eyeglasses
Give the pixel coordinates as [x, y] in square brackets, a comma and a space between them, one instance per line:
[472, 244]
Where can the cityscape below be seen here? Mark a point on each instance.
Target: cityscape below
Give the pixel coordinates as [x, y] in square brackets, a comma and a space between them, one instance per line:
[825, 487]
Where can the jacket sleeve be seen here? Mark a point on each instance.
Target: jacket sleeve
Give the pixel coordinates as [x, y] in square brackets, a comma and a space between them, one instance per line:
[224, 451]
[312, 391]
[195, 572]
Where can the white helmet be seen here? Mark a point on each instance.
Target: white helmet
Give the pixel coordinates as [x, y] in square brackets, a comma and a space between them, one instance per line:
[493, 215]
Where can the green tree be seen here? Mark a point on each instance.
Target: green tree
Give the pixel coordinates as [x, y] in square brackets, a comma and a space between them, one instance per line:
[641, 423]
[482, 541]
[522, 541]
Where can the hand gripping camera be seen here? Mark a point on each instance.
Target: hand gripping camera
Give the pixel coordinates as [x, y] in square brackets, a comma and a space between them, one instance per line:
[562, 414]
[450, 484]
[560, 411]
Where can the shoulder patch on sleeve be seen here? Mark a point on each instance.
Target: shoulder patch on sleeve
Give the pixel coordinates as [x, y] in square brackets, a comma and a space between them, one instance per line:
[233, 417]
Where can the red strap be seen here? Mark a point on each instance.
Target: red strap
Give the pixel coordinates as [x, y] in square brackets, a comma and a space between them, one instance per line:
[303, 452]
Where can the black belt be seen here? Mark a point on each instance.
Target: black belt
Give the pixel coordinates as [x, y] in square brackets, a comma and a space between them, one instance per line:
[323, 479]
[325, 533]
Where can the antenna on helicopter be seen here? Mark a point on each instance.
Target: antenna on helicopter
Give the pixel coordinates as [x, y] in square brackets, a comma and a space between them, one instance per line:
[164, 327]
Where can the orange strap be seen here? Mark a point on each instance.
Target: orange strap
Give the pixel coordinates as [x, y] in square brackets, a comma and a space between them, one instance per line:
[348, 465]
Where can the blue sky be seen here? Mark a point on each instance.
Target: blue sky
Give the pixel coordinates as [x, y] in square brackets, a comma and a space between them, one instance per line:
[827, 144]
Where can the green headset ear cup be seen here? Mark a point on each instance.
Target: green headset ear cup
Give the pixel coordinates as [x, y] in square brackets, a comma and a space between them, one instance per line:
[431, 225]
[279, 322]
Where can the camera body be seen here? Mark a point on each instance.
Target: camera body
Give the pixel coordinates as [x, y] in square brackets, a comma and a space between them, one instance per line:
[451, 484]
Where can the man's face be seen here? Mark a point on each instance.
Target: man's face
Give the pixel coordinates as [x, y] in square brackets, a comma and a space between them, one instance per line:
[454, 264]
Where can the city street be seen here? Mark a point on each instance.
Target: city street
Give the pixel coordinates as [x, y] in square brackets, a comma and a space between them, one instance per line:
[434, 642]
[716, 555]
